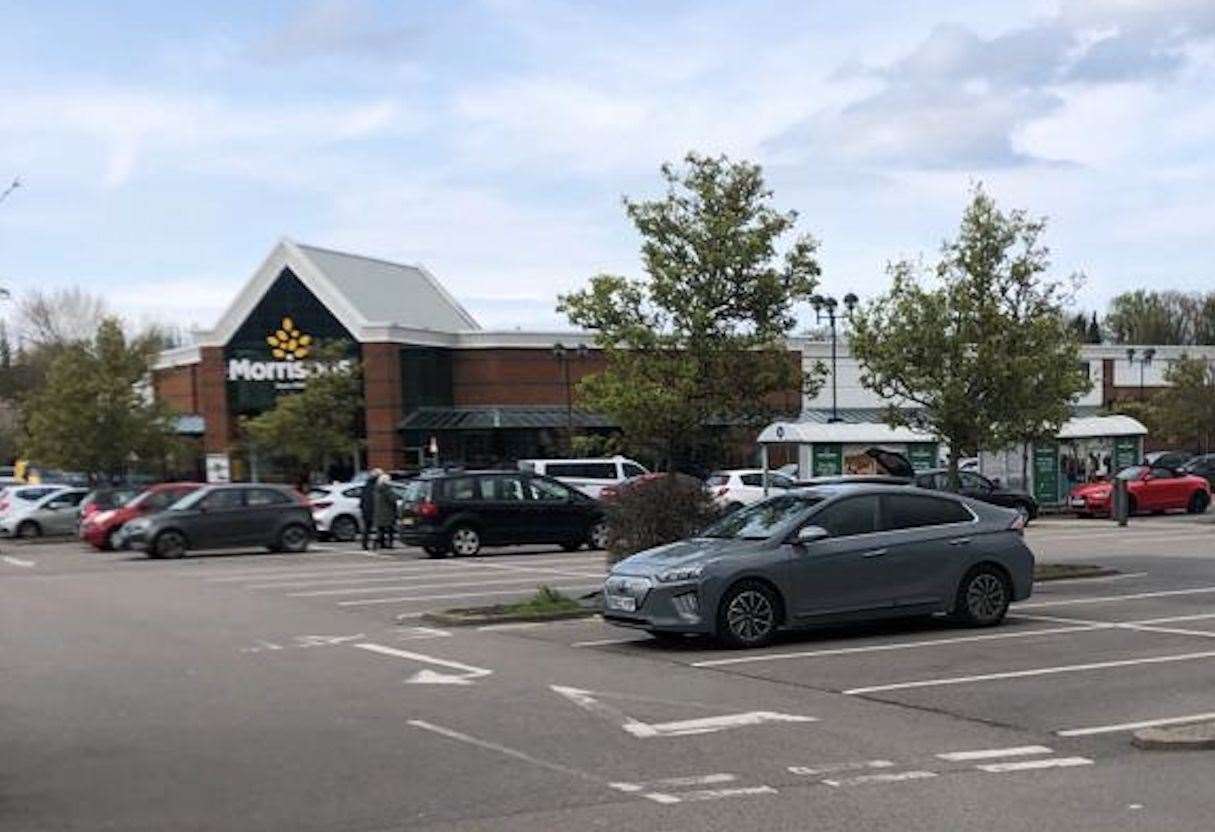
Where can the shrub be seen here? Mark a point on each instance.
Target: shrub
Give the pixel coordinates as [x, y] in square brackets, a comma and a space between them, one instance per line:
[657, 511]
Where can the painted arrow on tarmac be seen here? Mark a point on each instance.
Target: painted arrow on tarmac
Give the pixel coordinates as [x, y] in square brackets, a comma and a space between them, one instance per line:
[682, 728]
[431, 677]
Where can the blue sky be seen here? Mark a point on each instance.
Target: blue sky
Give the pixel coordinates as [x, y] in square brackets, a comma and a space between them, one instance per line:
[164, 147]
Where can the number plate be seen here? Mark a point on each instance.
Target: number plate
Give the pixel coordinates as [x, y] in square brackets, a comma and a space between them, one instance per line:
[619, 602]
[1078, 501]
[407, 521]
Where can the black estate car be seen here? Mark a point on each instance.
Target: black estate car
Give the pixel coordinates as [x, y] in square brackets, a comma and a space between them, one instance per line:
[225, 516]
[460, 512]
[979, 487]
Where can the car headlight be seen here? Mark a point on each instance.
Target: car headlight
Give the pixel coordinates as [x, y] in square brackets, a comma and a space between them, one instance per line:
[681, 573]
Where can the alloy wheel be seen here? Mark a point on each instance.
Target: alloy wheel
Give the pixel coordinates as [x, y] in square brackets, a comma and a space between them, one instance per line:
[985, 597]
[599, 536]
[170, 545]
[750, 616]
[295, 539]
[344, 529]
[465, 541]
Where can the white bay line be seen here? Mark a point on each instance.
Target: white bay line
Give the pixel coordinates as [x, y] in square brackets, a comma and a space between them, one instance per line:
[286, 573]
[1021, 674]
[1132, 726]
[18, 562]
[1110, 599]
[994, 753]
[892, 777]
[504, 750]
[877, 648]
[320, 593]
[718, 794]
[1171, 619]
[599, 642]
[677, 782]
[833, 768]
[365, 602]
[396, 652]
[550, 570]
[1135, 626]
[1031, 765]
[376, 578]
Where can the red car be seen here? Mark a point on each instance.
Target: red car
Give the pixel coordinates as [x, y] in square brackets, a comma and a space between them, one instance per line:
[1150, 488]
[99, 529]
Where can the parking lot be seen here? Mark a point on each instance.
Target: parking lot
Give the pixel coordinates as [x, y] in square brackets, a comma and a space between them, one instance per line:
[295, 670]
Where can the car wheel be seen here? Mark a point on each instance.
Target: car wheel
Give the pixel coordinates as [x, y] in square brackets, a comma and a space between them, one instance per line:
[169, 545]
[465, 542]
[748, 615]
[983, 598]
[1199, 502]
[436, 551]
[344, 528]
[1025, 511]
[598, 537]
[29, 529]
[294, 538]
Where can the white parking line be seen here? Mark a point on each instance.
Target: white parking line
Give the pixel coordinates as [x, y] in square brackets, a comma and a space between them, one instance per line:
[365, 602]
[905, 645]
[320, 593]
[1032, 765]
[1133, 726]
[994, 753]
[1021, 674]
[290, 582]
[892, 777]
[1110, 599]
[18, 562]
[600, 642]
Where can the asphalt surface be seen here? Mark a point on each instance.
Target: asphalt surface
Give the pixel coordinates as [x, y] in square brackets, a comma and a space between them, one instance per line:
[272, 692]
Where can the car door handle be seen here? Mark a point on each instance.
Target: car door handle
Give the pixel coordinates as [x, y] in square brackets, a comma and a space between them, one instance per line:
[959, 541]
[875, 553]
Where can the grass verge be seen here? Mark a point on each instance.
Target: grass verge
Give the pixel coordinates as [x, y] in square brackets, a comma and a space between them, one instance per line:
[546, 605]
[1065, 571]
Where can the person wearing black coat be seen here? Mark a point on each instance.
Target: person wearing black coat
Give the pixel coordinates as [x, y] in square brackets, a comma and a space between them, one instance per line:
[367, 505]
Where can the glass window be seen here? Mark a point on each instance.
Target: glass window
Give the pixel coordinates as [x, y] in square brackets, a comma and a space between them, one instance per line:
[780, 481]
[716, 480]
[509, 489]
[223, 498]
[353, 493]
[762, 520]
[33, 493]
[909, 511]
[549, 491]
[752, 480]
[464, 488]
[972, 481]
[849, 516]
[1132, 472]
[415, 491]
[265, 497]
[1163, 473]
[632, 470]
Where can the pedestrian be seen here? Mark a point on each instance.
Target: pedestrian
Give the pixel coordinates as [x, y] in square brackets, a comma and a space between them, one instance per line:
[367, 504]
[385, 511]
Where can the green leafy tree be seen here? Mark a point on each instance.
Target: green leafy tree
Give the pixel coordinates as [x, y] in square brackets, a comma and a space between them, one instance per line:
[716, 304]
[1093, 334]
[1151, 317]
[1185, 410]
[984, 357]
[94, 412]
[319, 423]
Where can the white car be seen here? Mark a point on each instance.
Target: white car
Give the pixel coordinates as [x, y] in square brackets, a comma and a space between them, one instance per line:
[742, 487]
[587, 475]
[335, 508]
[40, 510]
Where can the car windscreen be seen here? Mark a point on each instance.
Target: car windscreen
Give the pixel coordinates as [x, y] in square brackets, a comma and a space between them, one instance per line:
[715, 480]
[1132, 472]
[413, 491]
[190, 500]
[762, 520]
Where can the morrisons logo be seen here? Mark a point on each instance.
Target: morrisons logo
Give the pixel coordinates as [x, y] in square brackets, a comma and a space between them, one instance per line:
[289, 346]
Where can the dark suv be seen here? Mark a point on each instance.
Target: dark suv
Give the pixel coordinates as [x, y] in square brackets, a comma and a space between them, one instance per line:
[461, 512]
[225, 516]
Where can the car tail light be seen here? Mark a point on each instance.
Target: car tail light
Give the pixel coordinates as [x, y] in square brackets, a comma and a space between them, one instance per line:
[723, 491]
[1018, 522]
[427, 509]
[322, 505]
[3, 506]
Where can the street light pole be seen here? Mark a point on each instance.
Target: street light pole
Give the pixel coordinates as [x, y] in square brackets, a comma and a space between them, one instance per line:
[824, 307]
[562, 354]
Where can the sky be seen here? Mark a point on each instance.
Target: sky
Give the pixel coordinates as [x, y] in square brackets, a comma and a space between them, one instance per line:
[163, 148]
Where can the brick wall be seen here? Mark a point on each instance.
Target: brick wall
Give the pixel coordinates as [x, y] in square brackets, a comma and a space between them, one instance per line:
[177, 387]
[213, 399]
[383, 396]
[515, 376]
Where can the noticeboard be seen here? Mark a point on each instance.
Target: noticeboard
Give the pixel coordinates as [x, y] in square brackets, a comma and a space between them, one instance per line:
[1046, 472]
[1126, 452]
[922, 455]
[827, 460]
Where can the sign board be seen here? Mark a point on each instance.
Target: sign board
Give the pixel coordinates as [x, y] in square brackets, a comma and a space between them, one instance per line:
[219, 468]
[1126, 452]
[1046, 473]
[827, 461]
[922, 455]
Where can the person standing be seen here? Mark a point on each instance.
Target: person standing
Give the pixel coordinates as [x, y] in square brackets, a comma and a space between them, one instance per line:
[367, 503]
[385, 511]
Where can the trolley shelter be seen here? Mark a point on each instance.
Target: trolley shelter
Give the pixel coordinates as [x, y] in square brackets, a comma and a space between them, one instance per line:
[825, 449]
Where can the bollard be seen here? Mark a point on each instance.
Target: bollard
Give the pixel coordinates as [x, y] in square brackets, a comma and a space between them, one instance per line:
[1120, 503]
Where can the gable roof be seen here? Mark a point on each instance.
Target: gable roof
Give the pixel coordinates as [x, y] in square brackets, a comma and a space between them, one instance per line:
[361, 292]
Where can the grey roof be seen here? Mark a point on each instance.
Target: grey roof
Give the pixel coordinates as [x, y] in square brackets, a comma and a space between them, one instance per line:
[391, 293]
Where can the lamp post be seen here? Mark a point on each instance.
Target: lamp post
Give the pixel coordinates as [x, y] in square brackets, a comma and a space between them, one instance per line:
[564, 355]
[824, 307]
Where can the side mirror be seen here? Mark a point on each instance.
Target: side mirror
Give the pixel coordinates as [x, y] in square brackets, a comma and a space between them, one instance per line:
[810, 534]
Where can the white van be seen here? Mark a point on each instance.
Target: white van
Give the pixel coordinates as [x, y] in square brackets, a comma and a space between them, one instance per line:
[587, 475]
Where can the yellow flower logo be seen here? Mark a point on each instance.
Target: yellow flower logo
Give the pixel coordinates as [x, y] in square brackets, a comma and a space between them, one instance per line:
[288, 343]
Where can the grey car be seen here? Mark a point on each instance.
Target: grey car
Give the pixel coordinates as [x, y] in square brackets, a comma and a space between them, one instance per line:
[823, 555]
[35, 511]
[224, 517]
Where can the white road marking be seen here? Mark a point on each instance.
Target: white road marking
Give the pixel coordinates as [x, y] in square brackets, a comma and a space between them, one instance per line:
[892, 777]
[1021, 674]
[600, 642]
[1033, 765]
[18, 561]
[833, 768]
[1110, 599]
[1134, 726]
[415, 633]
[395, 575]
[994, 753]
[402, 600]
[321, 593]
[429, 677]
[1144, 626]
[420, 569]
[502, 749]
[876, 648]
[549, 569]
[681, 728]
[718, 794]
[676, 782]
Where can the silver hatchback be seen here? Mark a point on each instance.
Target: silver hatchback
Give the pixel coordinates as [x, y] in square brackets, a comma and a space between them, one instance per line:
[54, 512]
[823, 555]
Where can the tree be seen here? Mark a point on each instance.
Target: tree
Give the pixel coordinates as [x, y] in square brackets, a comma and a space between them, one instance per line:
[58, 318]
[1150, 317]
[1093, 335]
[986, 357]
[1185, 410]
[313, 426]
[94, 412]
[701, 340]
